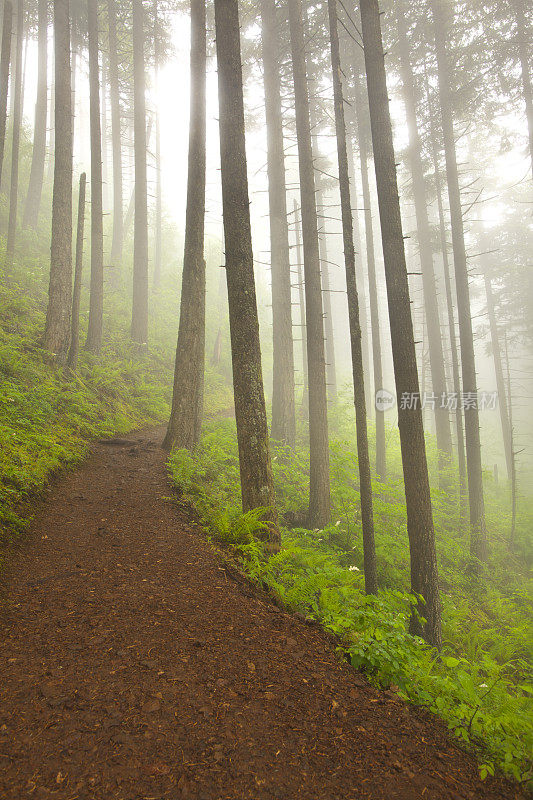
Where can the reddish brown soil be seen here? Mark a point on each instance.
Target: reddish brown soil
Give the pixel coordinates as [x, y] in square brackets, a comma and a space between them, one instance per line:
[134, 666]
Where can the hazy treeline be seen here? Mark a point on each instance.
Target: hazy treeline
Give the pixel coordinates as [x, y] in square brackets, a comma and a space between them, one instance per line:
[387, 128]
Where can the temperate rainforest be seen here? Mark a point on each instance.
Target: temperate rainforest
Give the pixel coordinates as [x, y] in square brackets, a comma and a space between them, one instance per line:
[266, 399]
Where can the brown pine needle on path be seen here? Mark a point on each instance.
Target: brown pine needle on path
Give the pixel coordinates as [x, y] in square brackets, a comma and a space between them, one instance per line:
[133, 666]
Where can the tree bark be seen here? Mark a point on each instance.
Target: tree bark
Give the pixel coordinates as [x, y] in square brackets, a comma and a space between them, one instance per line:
[500, 381]
[257, 487]
[57, 330]
[130, 211]
[187, 402]
[158, 174]
[117, 240]
[513, 454]
[365, 479]
[424, 575]
[105, 160]
[364, 153]
[329, 338]
[478, 541]
[431, 306]
[15, 148]
[329, 333]
[139, 317]
[5, 58]
[319, 495]
[51, 117]
[96, 303]
[301, 305]
[35, 186]
[72, 360]
[359, 275]
[283, 409]
[461, 457]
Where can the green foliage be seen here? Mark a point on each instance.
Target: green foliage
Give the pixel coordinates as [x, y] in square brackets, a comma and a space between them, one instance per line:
[47, 417]
[480, 683]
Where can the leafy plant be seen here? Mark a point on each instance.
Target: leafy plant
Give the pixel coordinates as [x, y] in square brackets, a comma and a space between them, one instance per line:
[480, 683]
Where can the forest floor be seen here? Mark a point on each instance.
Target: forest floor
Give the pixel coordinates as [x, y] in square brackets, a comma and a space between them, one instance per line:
[135, 664]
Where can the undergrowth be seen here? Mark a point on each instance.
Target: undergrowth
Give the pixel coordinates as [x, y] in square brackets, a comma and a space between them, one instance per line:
[47, 417]
[480, 683]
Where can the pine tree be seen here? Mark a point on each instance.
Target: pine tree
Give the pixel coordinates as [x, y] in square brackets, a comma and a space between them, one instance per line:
[424, 575]
[377, 358]
[319, 493]
[117, 240]
[96, 304]
[15, 145]
[283, 405]
[431, 306]
[478, 544]
[139, 316]
[35, 186]
[187, 402]
[365, 479]
[5, 58]
[252, 432]
[57, 330]
[72, 359]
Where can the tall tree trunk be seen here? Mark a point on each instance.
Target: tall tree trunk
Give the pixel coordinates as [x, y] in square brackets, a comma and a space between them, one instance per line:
[301, 304]
[96, 304]
[319, 499]
[377, 361]
[365, 479]
[158, 174]
[329, 339]
[187, 402]
[5, 58]
[521, 38]
[283, 408]
[105, 160]
[158, 234]
[116, 139]
[359, 274]
[35, 186]
[424, 575]
[57, 330]
[329, 333]
[513, 454]
[74, 60]
[498, 369]
[13, 64]
[130, 211]
[72, 360]
[257, 487]
[431, 306]
[461, 457]
[51, 117]
[478, 542]
[15, 148]
[139, 317]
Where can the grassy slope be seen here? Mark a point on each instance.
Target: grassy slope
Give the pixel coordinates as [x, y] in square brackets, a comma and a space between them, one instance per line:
[480, 685]
[47, 418]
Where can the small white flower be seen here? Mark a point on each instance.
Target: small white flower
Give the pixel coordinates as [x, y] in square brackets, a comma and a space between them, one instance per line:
[354, 569]
[337, 523]
[483, 686]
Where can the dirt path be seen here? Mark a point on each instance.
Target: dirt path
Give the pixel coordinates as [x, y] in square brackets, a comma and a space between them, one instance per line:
[133, 666]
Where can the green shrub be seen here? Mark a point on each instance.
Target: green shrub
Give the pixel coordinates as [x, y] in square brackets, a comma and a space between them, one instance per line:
[480, 683]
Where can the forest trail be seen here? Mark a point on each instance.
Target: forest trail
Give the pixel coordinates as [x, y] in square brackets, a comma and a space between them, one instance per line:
[135, 666]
